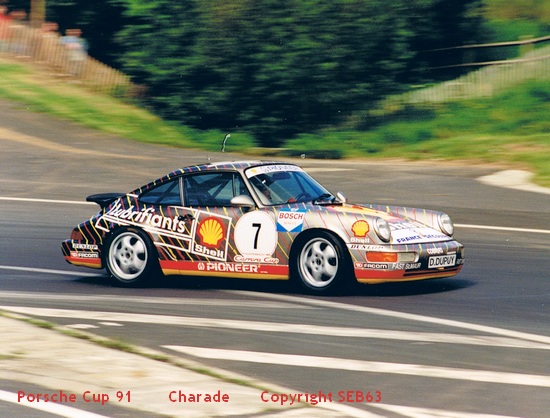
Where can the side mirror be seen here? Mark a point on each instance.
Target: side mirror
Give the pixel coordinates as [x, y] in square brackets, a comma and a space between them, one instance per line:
[243, 201]
[341, 197]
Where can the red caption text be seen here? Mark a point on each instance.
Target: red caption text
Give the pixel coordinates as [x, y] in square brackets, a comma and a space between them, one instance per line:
[62, 397]
[342, 396]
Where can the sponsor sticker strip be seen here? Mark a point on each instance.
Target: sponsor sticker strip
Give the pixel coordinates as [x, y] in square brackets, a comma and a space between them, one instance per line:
[442, 261]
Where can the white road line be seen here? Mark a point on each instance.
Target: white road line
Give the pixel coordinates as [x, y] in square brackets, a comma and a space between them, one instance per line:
[487, 227]
[401, 315]
[303, 329]
[116, 299]
[49, 407]
[32, 200]
[412, 412]
[336, 305]
[326, 169]
[82, 326]
[364, 366]
[49, 271]
[503, 228]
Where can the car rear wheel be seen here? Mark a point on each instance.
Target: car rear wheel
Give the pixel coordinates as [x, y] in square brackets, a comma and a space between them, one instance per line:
[321, 264]
[131, 257]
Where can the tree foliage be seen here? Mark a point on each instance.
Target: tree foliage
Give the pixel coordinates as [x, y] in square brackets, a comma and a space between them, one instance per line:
[279, 68]
[275, 68]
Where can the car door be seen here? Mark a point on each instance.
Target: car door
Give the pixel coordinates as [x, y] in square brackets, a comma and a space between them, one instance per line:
[228, 240]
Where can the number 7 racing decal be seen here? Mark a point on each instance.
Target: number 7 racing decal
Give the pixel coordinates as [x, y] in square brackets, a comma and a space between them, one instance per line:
[256, 238]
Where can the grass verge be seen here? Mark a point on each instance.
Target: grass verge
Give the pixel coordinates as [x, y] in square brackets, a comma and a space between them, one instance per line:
[41, 91]
[511, 129]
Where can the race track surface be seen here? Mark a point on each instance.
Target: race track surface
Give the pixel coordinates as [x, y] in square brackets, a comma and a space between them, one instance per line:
[475, 344]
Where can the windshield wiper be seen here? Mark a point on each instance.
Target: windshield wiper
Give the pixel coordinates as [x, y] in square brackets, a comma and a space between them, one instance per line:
[326, 199]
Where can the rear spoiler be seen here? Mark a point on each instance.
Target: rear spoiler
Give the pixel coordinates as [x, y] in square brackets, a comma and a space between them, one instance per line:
[104, 199]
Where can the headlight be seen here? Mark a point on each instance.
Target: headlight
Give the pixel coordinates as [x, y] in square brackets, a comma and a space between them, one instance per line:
[446, 224]
[382, 229]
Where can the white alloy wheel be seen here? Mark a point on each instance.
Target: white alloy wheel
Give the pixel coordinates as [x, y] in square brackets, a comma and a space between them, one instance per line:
[129, 256]
[319, 263]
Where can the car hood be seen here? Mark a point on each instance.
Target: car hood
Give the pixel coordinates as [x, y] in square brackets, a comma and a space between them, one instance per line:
[408, 225]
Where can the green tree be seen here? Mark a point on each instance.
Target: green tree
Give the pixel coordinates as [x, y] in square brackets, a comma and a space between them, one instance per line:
[273, 67]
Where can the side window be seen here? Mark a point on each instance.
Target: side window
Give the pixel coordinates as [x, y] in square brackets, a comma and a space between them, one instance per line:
[213, 189]
[167, 194]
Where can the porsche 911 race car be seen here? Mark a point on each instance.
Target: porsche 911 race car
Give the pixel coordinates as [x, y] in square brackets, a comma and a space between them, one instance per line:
[264, 220]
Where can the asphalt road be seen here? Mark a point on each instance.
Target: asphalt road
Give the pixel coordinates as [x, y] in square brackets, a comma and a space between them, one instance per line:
[475, 344]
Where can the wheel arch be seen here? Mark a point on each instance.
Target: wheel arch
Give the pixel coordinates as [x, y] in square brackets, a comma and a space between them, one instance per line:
[303, 236]
[151, 267]
[114, 230]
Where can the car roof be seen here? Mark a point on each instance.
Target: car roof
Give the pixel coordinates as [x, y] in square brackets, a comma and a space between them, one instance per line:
[239, 166]
[226, 165]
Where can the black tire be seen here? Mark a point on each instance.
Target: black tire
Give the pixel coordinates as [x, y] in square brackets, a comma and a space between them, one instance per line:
[131, 258]
[321, 263]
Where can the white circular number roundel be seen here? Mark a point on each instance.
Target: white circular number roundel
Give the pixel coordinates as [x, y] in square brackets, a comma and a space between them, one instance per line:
[256, 234]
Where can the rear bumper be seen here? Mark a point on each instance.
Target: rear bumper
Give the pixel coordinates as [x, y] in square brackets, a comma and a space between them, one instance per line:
[81, 254]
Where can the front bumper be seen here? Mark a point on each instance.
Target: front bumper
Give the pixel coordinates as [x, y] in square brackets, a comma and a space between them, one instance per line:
[431, 261]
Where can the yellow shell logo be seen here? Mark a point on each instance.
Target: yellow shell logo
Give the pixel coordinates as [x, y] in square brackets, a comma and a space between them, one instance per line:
[360, 229]
[211, 231]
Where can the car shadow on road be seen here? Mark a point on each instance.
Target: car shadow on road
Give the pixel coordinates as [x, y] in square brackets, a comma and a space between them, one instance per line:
[193, 283]
[423, 287]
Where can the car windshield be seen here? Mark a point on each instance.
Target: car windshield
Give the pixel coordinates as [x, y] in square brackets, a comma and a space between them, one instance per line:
[279, 184]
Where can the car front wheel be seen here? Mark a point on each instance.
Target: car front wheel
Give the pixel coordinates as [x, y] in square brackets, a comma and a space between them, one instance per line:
[321, 263]
[131, 258]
